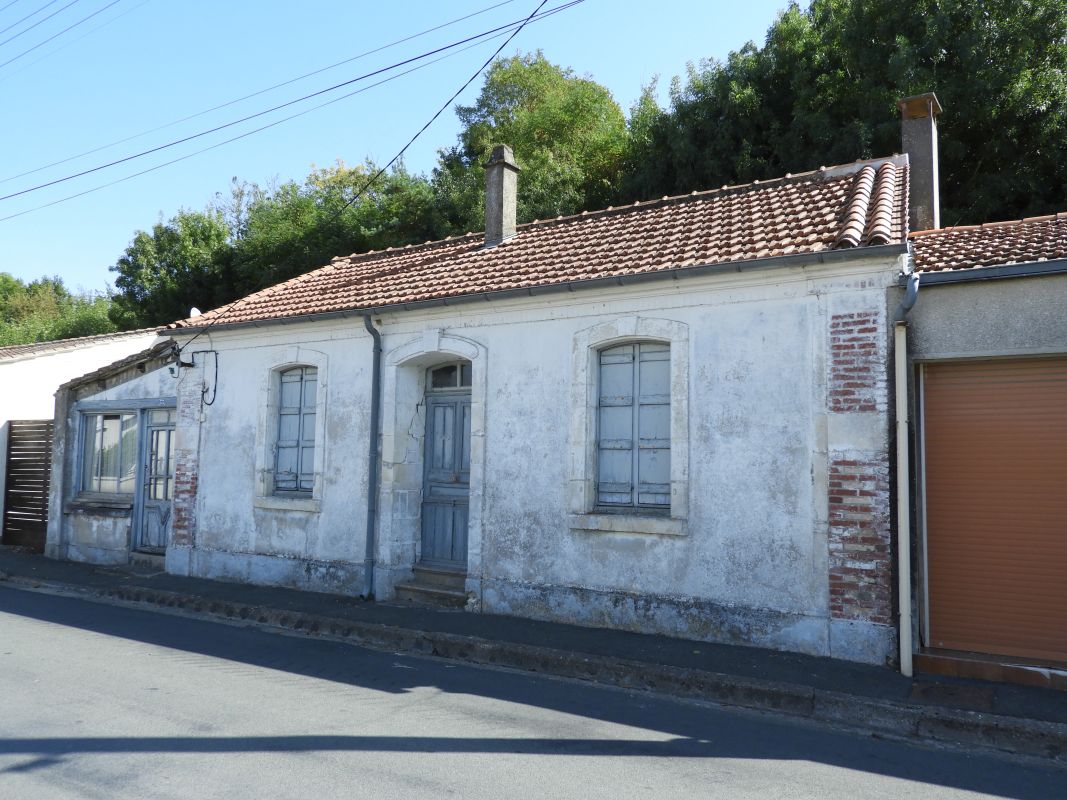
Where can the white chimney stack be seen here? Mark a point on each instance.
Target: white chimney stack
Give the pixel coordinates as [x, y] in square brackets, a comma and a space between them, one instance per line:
[501, 179]
[918, 123]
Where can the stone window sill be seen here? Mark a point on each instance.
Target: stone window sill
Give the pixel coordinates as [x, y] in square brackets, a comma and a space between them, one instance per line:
[102, 505]
[282, 503]
[628, 523]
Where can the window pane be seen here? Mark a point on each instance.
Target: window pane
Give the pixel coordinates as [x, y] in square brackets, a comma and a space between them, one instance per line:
[465, 375]
[443, 377]
[127, 474]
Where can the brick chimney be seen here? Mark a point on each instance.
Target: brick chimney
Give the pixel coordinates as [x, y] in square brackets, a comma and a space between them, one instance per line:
[918, 123]
[501, 178]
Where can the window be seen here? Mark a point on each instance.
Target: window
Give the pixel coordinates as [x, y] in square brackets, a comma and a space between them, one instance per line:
[634, 427]
[294, 466]
[109, 454]
[450, 376]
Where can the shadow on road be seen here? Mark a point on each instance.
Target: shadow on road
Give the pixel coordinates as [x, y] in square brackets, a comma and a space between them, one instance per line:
[697, 731]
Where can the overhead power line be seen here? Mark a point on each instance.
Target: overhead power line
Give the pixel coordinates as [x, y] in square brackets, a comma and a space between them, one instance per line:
[31, 14]
[278, 107]
[254, 94]
[82, 21]
[267, 126]
[373, 179]
[5, 8]
[34, 25]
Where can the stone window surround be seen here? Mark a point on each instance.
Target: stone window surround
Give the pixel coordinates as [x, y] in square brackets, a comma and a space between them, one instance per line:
[403, 430]
[581, 494]
[267, 430]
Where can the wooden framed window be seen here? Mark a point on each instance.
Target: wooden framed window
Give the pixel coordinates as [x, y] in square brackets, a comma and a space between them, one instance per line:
[634, 427]
[449, 377]
[294, 465]
[109, 453]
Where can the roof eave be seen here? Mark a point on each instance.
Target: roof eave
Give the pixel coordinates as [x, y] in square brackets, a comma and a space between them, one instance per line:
[870, 252]
[1028, 269]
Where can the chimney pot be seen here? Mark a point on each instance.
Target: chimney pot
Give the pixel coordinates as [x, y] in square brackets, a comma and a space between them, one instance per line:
[918, 128]
[501, 179]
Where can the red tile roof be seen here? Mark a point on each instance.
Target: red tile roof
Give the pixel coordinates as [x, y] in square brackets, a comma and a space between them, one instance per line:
[993, 244]
[855, 205]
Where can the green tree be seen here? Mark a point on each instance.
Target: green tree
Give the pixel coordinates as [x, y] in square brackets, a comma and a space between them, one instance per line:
[182, 263]
[299, 227]
[45, 309]
[823, 90]
[568, 134]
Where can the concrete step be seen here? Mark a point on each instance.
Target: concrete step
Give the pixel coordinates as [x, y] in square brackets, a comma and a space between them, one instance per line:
[439, 576]
[156, 561]
[426, 595]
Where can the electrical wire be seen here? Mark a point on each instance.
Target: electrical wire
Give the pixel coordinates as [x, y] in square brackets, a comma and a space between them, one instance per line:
[5, 8]
[51, 53]
[399, 154]
[32, 14]
[57, 35]
[38, 22]
[247, 133]
[278, 107]
[254, 94]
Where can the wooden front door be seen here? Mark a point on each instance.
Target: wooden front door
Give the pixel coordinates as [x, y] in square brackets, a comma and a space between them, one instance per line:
[446, 480]
[157, 493]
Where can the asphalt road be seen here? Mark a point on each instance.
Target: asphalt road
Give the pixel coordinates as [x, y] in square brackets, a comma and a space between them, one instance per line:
[98, 701]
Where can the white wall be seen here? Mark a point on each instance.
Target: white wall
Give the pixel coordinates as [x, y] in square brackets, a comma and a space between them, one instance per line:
[28, 385]
[747, 559]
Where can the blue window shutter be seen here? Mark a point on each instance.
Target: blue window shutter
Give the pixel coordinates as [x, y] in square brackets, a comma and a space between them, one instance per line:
[294, 468]
[634, 426]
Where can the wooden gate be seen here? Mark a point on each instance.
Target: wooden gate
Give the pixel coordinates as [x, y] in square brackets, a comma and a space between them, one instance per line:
[29, 462]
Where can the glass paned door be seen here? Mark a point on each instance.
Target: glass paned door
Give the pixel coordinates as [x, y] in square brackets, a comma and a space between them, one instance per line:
[158, 490]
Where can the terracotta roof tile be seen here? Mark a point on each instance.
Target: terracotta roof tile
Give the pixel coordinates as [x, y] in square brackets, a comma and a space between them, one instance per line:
[993, 244]
[854, 205]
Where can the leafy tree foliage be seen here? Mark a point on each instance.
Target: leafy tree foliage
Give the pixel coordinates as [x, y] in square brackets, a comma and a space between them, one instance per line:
[298, 227]
[45, 309]
[177, 265]
[823, 90]
[568, 134]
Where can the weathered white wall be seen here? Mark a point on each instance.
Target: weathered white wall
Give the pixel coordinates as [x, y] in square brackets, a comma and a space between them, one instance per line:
[745, 561]
[28, 385]
[93, 531]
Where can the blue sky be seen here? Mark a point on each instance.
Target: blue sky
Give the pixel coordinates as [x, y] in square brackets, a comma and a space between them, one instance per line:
[135, 65]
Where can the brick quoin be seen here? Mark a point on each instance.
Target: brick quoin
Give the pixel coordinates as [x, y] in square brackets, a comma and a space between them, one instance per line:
[860, 568]
[186, 467]
[857, 380]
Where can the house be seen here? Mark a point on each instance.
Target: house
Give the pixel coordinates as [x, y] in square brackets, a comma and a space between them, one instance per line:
[987, 366]
[112, 481]
[669, 417]
[29, 377]
[641, 417]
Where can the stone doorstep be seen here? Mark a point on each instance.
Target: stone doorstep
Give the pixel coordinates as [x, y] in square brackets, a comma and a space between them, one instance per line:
[999, 669]
[1019, 736]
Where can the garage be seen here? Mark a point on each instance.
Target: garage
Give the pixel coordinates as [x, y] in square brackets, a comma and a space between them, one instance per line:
[994, 487]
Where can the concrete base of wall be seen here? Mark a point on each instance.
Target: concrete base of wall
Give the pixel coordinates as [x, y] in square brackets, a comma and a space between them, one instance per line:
[687, 618]
[856, 640]
[295, 573]
[95, 555]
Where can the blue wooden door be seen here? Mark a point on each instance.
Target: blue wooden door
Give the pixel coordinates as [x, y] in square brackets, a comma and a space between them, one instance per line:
[446, 484]
[157, 498]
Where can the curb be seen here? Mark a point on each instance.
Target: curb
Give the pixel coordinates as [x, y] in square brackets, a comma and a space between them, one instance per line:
[1014, 735]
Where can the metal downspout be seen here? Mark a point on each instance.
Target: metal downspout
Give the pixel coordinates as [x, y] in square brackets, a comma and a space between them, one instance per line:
[900, 357]
[372, 459]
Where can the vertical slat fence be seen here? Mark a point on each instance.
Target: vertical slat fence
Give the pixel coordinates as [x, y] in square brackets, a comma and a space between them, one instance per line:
[29, 461]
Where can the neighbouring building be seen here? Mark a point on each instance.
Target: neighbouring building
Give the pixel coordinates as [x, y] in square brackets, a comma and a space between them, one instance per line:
[988, 369]
[112, 485]
[29, 377]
